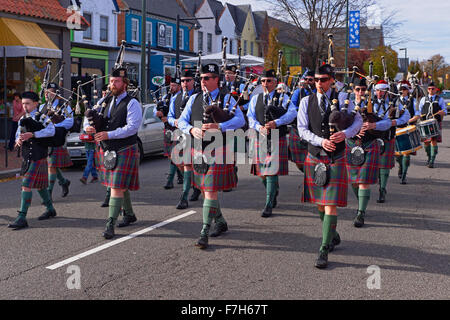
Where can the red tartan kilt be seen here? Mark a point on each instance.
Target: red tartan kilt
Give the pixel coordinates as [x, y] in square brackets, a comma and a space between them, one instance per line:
[387, 159]
[37, 175]
[59, 158]
[332, 194]
[368, 172]
[126, 174]
[263, 167]
[219, 176]
[297, 149]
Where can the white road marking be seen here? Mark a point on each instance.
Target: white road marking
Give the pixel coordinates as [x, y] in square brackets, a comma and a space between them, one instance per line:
[114, 242]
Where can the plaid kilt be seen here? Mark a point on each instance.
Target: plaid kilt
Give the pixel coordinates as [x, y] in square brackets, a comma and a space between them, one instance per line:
[126, 173]
[59, 158]
[298, 148]
[264, 167]
[37, 175]
[368, 172]
[335, 192]
[387, 159]
[439, 137]
[168, 146]
[219, 176]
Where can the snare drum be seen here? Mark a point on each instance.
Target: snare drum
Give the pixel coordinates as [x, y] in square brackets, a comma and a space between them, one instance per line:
[407, 140]
[428, 129]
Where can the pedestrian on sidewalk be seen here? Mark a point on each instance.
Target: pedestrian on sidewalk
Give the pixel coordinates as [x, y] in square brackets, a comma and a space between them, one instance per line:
[90, 166]
[18, 112]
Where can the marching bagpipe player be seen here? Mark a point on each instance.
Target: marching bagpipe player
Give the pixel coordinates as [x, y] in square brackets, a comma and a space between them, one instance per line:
[59, 156]
[162, 112]
[266, 112]
[392, 119]
[216, 175]
[325, 181]
[118, 155]
[177, 105]
[34, 170]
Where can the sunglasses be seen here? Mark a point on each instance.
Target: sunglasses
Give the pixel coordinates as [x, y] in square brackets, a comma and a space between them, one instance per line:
[360, 89]
[309, 79]
[266, 80]
[186, 80]
[322, 79]
[206, 78]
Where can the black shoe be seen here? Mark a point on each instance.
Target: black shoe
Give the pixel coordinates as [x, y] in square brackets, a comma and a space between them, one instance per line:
[275, 200]
[382, 197]
[267, 212]
[65, 188]
[127, 220]
[403, 179]
[183, 204]
[219, 228]
[228, 190]
[431, 164]
[322, 259]
[169, 185]
[195, 195]
[19, 224]
[109, 231]
[359, 219]
[47, 215]
[334, 242]
[202, 243]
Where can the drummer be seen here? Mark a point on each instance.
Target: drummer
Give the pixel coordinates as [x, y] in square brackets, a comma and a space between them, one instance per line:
[437, 111]
[411, 106]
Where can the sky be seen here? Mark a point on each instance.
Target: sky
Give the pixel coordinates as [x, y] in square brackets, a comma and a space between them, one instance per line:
[425, 22]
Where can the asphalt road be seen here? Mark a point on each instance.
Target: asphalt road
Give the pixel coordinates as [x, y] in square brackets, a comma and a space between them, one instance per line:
[407, 239]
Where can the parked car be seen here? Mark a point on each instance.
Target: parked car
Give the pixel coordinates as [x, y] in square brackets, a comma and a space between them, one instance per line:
[446, 96]
[150, 137]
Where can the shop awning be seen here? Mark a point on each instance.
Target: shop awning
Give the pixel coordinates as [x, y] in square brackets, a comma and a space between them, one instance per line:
[26, 39]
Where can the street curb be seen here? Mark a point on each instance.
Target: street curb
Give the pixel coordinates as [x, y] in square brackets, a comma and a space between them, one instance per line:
[9, 173]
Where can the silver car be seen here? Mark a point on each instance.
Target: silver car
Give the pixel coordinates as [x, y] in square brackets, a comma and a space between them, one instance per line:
[150, 136]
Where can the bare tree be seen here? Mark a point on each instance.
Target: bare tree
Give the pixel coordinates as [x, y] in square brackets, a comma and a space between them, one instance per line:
[314, 19]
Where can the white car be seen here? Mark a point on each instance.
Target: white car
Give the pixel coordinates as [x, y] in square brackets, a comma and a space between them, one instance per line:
[150, 137]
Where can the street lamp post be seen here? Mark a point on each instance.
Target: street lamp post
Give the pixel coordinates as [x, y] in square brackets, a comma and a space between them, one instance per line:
[406, 61]
[432, 69]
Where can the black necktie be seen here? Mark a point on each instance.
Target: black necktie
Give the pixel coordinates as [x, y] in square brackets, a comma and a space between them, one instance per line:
[205, 99]
[113, 106]
[266, 99]
[323, 105]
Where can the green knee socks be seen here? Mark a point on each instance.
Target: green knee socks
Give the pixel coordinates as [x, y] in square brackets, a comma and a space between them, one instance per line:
[363, 199]
[321, 214]
[328, 230]
[271, 189]
[433, 153]
[172, 170]
[219, 217]
[210, 208]
[355, 190]
[25, 203]
[51, 182]
[384, 176]
[405, 164]
[127, 207]
[187, 176]
[45, 195]
[115, 204]
[61, 179]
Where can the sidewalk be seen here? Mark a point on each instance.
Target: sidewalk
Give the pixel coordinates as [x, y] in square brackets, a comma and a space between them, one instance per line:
[14, 163]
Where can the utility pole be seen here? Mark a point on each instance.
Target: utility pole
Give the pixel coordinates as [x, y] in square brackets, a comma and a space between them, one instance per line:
[143, 56]
[346, 45]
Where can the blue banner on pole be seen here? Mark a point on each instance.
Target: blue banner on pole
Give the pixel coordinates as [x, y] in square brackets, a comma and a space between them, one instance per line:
[353, 26]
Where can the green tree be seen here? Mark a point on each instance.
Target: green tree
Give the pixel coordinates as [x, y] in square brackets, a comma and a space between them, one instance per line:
[271, 58]
[391, 58]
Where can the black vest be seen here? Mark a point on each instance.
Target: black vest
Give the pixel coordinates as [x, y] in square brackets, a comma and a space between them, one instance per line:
[197, 107]
[260, 111]
[434, 105]
[409, 107]
[117, 119]
[319, 125]
[32, 149]
[180, 103]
